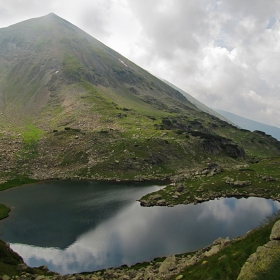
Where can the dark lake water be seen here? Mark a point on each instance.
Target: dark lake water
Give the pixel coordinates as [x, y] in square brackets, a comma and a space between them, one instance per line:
[85, 226]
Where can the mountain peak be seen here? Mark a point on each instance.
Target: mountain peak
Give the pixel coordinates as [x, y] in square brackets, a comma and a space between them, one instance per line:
[51, 14]
[51, 17]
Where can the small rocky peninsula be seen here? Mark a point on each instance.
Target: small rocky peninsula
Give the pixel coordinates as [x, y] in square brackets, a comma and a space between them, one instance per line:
[214, 182]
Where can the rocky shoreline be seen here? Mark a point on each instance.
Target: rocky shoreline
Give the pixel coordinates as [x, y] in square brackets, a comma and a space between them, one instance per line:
[181, 192]
[259, 263]
[199, 187]
[164, 269]
[158, 200]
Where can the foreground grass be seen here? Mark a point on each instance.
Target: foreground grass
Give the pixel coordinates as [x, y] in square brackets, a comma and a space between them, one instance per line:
[8, 260]
[228, 262]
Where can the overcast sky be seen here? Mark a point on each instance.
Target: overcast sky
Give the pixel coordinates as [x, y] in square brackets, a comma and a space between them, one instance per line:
[225, 53]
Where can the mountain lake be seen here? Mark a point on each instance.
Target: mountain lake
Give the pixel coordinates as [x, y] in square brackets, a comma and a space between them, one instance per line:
[78, 226]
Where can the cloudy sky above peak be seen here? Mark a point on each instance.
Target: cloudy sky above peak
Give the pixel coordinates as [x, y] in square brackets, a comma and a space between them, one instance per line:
[225, 53]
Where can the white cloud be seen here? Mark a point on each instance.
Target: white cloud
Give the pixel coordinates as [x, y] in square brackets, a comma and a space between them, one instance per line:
[218, 53]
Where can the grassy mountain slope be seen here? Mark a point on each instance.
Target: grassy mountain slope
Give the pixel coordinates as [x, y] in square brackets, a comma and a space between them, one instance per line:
[43, 58]
[72, 107]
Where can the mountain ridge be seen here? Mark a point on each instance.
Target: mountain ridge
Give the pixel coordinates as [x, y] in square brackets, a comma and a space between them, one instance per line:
[73, 107]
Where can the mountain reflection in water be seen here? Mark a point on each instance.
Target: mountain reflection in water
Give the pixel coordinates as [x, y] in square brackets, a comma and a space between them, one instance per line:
[119, 231]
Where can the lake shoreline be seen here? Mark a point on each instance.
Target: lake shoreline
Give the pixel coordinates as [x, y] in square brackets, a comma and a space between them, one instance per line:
[259, 180]
[171, 267]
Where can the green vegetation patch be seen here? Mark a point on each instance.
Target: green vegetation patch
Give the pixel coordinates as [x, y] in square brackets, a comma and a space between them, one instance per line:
[73, 69]
[4, 211]
[31, 134]
[16, 182]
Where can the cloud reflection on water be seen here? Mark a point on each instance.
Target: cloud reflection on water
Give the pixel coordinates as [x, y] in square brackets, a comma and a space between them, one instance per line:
[136, 234]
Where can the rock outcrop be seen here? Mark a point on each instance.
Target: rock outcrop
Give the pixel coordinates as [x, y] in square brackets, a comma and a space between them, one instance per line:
[264, 264]
[238, 183]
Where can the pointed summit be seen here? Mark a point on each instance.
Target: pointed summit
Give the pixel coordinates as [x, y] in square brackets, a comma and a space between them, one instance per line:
[47, 54]
[51, 15]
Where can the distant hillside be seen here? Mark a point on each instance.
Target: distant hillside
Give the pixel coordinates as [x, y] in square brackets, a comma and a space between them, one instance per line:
[250, 124]
[198, 104]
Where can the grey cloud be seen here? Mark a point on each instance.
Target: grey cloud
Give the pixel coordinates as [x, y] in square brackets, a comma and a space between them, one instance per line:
[221, 52]
[16, 10]
[253, 8]
[94, 18]
[183, 25]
